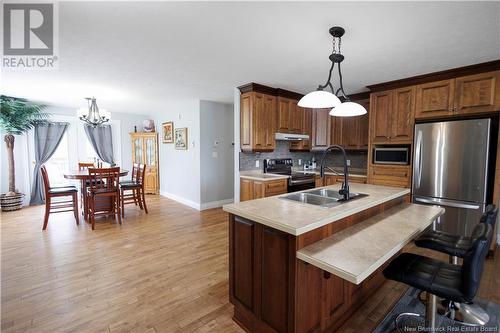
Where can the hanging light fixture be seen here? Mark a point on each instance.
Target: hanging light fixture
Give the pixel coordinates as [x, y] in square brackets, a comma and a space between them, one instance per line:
[92, 116]
[324, 99]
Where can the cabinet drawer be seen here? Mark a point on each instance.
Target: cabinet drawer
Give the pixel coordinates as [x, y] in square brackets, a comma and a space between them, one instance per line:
[275, 187]
[399, 176]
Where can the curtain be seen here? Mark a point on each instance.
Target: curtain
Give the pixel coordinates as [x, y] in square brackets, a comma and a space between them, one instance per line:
[47, 139]
[101, 139]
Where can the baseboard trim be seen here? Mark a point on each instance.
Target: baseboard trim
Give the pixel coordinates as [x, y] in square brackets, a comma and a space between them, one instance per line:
[216, 204]
[181, 200]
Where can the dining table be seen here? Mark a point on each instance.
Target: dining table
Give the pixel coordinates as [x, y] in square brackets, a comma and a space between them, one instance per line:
[83, 175]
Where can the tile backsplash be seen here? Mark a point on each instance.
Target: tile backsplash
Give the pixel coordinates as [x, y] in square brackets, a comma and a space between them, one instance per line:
[333, 158]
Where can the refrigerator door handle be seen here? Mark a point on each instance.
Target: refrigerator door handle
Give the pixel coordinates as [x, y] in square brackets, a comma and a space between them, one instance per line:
[446, 203]
[418, 158]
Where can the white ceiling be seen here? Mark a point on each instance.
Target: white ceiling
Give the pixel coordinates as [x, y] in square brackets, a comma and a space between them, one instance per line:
[135, 56]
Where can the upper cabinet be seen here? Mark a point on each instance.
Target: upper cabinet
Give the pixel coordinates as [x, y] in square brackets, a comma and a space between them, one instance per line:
[351, 132]
[478, 93]
[257, 121]
[435, 99]
[306, 128]
[321, 129]
[391, 116]
[290, 116]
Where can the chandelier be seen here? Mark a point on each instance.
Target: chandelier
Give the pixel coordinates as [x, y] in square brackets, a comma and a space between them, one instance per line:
[322, 98]
[92, 116]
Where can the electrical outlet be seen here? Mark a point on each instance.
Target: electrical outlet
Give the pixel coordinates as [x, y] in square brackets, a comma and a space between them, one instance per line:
[348, 162]
[215, 154]
[300, 161]
[257, 164]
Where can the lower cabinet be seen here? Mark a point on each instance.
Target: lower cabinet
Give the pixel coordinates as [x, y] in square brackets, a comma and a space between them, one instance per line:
[399, 176]
[273, 291]
[334, 179]
[255, 189]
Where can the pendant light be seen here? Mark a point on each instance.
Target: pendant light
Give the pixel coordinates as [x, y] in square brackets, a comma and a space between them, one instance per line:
[324, 99]
[92, 116]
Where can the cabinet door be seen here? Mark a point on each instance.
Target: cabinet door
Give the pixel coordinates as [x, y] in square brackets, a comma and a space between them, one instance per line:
[363, 131]
[435, 99]
[246, 122]
[403, 119]
[336, 301]
[330, 180]
[380, 116]
[259, 122]
[283, 115]
[258, 190]
[151, 180]
[321, 129]
[150, 151]
[350, 132]
[477, 93]
[309, 300]
[270, 120]
[137, 150]
[336, 131]
[246, 189]
[306, 129]
[296, 114]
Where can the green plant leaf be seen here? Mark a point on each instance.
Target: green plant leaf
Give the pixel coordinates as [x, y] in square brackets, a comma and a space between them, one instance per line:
[17, 115]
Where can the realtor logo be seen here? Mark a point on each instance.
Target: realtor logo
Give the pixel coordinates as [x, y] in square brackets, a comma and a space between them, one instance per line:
[29, 31]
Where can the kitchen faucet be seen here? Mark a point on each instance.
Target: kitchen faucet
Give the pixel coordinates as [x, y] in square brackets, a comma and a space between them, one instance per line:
[344, 190]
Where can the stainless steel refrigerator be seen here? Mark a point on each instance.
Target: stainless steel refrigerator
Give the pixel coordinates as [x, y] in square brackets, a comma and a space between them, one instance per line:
[451, 170]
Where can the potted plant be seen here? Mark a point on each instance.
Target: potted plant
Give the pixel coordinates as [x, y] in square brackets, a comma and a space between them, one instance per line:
[17, 116]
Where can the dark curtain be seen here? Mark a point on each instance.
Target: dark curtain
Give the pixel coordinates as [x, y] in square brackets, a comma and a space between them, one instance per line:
[47, 139]
[101, 139]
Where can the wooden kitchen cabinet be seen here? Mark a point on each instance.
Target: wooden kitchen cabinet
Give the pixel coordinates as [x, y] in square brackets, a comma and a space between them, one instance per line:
[289, 116]
[145, 151]
[304, 145]
[321, 129]
[392, 116]
[251, 189]
[257, 122]
[477, 93]
[435, 99]
[394, 175]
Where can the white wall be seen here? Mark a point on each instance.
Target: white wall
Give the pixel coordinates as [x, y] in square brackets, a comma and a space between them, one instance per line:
[24, 149]
[217, 151]
[180, 169]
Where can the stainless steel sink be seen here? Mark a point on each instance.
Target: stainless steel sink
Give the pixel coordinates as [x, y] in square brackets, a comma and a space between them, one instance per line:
[321, 197]
[311, 199]
[324, 192]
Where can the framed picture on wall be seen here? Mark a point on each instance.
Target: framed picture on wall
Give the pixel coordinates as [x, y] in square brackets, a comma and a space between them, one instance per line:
[181, 138]
[168, 132]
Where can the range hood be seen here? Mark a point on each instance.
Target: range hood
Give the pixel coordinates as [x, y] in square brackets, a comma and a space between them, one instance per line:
[291, 137]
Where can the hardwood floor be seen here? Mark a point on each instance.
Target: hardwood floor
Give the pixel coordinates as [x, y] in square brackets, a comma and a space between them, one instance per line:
[162, 272]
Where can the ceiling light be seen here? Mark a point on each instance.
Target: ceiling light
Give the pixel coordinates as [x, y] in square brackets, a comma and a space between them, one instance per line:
[324, 99]
[93, 117]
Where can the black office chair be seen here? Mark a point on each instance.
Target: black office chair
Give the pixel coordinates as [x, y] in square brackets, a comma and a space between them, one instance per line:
[440, 279]
[456, 246]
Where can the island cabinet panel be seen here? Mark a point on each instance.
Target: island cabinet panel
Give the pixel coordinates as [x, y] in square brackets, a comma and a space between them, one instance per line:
[243, 250]
[477, 93]
[274, 279]
[309, 300]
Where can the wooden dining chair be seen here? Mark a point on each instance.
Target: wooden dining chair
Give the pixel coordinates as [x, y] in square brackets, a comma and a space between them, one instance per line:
[104, 185]
[84, 165]
[133, 192]
[58, 206]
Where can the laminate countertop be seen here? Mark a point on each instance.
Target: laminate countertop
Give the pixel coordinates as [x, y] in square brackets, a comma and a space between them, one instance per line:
[261, 176]
[297, 218]
[356, 252]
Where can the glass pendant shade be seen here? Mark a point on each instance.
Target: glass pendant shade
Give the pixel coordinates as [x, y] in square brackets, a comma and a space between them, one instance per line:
[319, 99]
[348, 109]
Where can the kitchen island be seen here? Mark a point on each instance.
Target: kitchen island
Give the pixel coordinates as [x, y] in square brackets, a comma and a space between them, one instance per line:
[296, 267]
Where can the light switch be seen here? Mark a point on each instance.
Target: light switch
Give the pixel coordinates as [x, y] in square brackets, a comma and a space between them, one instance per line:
[257, 164]
[215, 154]
[348, 162]
[300, 161]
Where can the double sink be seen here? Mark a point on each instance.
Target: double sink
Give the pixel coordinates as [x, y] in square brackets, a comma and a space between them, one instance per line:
[322, 197]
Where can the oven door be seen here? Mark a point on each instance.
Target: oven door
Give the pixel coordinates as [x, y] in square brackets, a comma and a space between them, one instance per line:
[295, 185]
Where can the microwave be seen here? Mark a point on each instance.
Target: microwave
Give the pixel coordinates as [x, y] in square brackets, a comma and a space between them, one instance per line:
[391, 155]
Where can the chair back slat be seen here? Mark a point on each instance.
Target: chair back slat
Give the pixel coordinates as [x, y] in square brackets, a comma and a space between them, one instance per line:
[46, 182]
[104, 179]
[84, 166]
[141, 171]
[135, 170]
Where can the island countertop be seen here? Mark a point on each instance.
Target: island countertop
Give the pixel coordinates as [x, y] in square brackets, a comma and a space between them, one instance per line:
[297, 218]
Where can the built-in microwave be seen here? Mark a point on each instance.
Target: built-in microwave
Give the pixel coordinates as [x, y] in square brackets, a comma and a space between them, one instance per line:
[391, 155]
